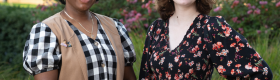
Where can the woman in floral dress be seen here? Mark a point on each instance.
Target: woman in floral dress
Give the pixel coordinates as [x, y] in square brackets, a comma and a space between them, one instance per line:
[187, 44]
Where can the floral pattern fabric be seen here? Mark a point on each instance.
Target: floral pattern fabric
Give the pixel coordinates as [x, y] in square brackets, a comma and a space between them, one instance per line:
[209, 43]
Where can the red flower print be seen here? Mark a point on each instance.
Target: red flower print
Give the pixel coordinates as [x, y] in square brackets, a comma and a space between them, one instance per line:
[167, 75]
[196, 48]
[241, 45]
[157, 70]
[191, 70]
[161, 60]
[217, 46]
[181, 76]
[198, 54]
[219, 17]
[179, 70]
[151, 29]
[232, 71]
[237, 65]
[248, 45]
[192, 30]
[200, 17]
[191, 63]
[156, 58]
[189, 35]
[227, 32]
[248, 66]
[204, 46]
[183, 55]
[146, 50]
[170, 65]
[158, 30]
[232, 44]
[205, 21]
[255, 69]
[204, 67]
[229, 62]
[197, 66]
[237, 49]
[224, 27]
[186, 43]
[237, 38]
[208, 27]
[221, 69]
[224, 52]
[160, 75]
[257, 79]
[238, 71]
[198, 24]
[176, 77]
[176, 59]
[265, 72]
[247, 76]
[257, 55]
[180, 64]
[199, 40]
[187, 75]
[156, 37]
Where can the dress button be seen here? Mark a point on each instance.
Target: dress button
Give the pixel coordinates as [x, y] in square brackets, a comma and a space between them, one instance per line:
[96, 43]
[102, 64]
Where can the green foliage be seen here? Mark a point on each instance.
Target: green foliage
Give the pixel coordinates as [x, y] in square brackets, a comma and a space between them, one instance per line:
[250, 17]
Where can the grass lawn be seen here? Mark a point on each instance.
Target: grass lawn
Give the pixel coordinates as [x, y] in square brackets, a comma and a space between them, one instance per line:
[19, 4]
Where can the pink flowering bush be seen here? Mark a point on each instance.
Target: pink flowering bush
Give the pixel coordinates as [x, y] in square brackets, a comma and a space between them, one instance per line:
[251, 17]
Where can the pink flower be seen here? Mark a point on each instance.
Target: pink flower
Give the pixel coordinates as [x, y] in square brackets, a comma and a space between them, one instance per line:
[278, 4]
[217, 9]
[43, 8]
[121, 20]
[259, 31]
[236, 2]
[146, 25]
[253, 7]
[265, 26]
[257, 11]
[263, 2]
[249, 12]
[248, 5]
[234, 19]
[240, 29]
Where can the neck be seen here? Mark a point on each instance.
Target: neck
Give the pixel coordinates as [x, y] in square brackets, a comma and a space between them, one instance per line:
[184, 14]
[77, 14]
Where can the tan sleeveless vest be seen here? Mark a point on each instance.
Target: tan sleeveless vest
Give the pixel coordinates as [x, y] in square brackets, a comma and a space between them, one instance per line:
[73, 66]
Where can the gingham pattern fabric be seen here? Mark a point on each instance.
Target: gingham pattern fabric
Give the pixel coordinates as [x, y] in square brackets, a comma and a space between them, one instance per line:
[99, 54]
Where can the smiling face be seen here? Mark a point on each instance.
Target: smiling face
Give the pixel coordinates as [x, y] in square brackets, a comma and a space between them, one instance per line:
[81, 5]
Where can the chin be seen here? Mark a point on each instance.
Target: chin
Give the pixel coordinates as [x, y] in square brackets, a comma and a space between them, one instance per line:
[84, 7]
[184, 2]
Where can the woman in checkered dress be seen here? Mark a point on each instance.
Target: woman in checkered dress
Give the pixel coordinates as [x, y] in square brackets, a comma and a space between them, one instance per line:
[42, 54]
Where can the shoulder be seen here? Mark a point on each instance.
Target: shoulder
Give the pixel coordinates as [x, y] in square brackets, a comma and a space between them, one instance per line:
[217, 22]
[157, 24]
[52, 18]
[41, 27]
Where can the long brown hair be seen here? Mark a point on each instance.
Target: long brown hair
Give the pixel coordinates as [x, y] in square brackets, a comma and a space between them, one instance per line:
[166, 8]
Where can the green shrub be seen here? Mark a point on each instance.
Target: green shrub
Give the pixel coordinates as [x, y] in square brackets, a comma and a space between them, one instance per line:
[251, 17]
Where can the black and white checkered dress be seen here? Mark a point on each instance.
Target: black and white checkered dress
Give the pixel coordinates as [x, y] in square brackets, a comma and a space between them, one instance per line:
[41, 52]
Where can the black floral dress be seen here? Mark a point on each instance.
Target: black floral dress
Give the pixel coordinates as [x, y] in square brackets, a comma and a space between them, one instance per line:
[209, 42]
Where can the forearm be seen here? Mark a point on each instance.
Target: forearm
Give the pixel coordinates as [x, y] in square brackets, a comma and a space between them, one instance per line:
[129, 73]
[50, 75]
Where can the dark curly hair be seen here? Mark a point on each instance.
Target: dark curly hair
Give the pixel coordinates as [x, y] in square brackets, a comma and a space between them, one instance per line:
[166, 8]
[63, 1]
